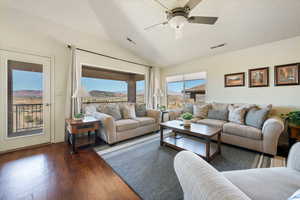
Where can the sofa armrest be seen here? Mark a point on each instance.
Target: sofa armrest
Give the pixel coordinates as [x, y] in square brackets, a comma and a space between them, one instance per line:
[294, 157]
[200, 181]
[108, 132]
[174, 114]
[154, 114]
[272, 129]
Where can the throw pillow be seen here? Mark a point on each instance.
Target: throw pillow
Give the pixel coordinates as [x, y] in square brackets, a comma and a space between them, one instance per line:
[187, 107]
[237, 114]
[128, 111]
[219, 106]
[295, 196]
[218, 114]
[112, 110]
[257, 116]
[140, 110]
[201, 111]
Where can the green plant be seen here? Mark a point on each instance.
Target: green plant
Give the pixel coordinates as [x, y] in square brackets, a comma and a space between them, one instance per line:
[292, 117]
[187, 116]
[162, 108]
[78, 115]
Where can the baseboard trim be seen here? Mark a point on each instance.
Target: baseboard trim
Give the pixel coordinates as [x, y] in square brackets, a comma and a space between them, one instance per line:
[25, 148]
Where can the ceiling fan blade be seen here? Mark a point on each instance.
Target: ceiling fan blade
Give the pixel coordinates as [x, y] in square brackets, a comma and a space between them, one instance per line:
[154, 25]
[202, 20]
[192, 4]
[161, 4]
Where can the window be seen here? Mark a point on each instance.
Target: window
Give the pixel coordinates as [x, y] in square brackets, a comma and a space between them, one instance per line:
[105, 90]
[185, 88]
[175, 97]
[140, 91]
[112, 86]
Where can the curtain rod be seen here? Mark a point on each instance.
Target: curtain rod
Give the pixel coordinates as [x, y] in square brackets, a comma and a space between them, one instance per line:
[111, 57]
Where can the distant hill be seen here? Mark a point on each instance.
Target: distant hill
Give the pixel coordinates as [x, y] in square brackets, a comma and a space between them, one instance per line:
[98, 93]
[28, 93]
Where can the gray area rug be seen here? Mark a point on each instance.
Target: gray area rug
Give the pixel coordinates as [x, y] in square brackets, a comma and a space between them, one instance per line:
[148, 168]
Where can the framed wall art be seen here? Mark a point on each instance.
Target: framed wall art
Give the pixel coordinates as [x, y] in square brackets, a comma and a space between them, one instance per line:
[259, 77]
[234, 80]
[287, 74]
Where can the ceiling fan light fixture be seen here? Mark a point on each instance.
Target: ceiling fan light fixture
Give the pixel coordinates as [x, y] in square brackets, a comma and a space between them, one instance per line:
[177, 22]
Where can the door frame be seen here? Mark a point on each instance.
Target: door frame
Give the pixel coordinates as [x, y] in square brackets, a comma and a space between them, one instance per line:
[9, 54]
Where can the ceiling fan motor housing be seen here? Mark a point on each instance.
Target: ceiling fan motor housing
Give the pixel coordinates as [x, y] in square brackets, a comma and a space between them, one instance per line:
[177, 17]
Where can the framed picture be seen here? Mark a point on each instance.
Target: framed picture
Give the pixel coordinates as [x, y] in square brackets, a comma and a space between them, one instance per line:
[259, 77]
[287, 74]
[235, 80]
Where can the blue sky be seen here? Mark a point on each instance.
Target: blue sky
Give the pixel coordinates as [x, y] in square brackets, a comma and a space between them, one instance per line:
[24, 80]
[108, 85]
[178, 86]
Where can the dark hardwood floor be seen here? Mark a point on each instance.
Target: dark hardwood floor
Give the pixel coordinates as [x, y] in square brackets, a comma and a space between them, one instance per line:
[51, 172]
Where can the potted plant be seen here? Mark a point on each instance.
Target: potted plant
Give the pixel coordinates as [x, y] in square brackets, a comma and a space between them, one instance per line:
[78, 116]
[292, 117]
[162, 108]
[187, 117]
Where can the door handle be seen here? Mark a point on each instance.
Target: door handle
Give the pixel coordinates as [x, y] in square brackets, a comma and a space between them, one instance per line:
[47, 104]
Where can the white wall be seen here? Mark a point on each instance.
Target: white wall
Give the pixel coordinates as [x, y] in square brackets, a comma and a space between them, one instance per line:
[29, 34]
[267, 55]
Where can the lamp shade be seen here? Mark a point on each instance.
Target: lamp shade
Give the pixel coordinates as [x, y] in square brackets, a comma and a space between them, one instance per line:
[81, 92]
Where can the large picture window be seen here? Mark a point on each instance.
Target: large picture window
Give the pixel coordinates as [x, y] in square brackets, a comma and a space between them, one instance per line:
[105, 90]
[188, 88]
[112, 86]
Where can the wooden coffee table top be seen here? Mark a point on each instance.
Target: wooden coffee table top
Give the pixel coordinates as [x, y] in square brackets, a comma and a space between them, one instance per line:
[195, 129]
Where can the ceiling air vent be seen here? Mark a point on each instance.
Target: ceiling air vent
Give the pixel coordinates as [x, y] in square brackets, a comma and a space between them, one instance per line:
[130, 40]
[218, 46]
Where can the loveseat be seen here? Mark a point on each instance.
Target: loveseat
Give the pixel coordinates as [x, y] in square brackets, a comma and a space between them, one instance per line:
[263, 139]
[200, 181]
[113, 131]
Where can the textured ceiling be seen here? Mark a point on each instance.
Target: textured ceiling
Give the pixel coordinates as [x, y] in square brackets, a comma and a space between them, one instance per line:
[241, 24]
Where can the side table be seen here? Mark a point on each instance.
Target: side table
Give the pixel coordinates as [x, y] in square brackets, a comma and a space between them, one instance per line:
[163, 114]
[75, 127]
[294, 134]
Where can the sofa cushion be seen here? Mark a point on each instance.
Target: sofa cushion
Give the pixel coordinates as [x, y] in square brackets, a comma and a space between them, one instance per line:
[212, 122]
[201, 111]
[140, 110]
[242, 130]
[257, 116]
[266, 183]
[236, 114]
[126, 124]
[143, 121]
[218, 114]
[219, 106]
[112, 110]
[128, 111]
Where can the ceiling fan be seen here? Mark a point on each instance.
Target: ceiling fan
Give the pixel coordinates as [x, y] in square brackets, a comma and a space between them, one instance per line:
[179, 16]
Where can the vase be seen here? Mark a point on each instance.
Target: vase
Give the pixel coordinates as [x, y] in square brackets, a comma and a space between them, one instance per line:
[186, 122]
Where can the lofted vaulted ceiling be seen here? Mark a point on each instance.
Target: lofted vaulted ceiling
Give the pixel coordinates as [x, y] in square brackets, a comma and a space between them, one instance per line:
[241, 24]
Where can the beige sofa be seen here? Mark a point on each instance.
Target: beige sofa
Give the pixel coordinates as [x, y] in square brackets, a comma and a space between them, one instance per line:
[263, 140]
[113, 131]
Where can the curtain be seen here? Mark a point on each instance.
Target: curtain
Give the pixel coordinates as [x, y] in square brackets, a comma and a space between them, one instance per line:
[151, 88]
[74, 75]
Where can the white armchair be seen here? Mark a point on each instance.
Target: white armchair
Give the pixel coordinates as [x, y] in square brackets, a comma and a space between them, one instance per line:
[200, 181]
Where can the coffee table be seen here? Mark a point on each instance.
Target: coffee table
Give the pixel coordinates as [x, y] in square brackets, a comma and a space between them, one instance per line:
[203, 146]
